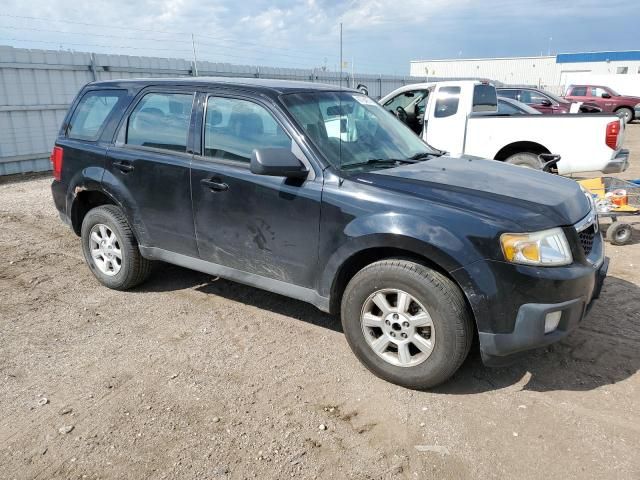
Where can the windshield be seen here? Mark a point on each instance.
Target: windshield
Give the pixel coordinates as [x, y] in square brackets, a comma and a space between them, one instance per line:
[352, 130]
[612, 91]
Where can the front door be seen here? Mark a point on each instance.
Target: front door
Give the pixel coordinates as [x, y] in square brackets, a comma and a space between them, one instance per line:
[409, 106]
[252, 223]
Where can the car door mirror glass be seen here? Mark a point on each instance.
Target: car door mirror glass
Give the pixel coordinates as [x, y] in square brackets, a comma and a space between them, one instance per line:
[277, 162]
[605, 95]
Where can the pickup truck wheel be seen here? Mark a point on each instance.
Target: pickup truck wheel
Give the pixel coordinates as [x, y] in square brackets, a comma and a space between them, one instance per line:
[619, 233]
[111, 250]
[406, 323]
[527, 160]
[625, 113]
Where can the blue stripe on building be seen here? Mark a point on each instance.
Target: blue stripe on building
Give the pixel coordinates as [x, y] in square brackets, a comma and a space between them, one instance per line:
[598, 57]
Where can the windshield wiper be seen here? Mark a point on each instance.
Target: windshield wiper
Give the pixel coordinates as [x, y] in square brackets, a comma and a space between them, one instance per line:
[425, 155]
[379, 161]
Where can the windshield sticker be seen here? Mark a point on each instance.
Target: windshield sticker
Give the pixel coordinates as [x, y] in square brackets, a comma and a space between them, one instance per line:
[363, 100]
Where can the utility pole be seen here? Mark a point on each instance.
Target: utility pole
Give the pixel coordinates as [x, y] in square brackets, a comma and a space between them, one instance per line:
[195, 58]
[341, 54]
[353, 77]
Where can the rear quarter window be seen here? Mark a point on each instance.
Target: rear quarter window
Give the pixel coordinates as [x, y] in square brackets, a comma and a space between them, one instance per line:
[447, 102]
[92, 113]
[485, 98]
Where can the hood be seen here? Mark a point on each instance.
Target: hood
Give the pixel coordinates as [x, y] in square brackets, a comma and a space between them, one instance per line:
[529, 198]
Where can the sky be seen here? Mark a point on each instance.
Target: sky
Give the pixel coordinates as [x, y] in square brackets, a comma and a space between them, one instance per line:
[379, 36]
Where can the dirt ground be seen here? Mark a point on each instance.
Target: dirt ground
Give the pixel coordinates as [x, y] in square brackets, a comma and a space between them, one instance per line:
[188, 377]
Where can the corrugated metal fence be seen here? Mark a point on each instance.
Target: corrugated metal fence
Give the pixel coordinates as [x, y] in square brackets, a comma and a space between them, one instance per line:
[36, 87]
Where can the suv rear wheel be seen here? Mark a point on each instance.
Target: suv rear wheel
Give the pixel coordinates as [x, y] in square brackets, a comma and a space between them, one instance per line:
[407, 323]
[111, 250]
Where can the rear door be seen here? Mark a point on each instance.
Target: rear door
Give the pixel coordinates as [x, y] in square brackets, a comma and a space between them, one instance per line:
[148, 168]
[579, 94]
[445, 128]
[256, 224]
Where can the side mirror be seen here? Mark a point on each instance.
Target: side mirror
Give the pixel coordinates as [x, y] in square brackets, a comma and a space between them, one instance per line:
[277, 162]
[546, 103]
[605, 95]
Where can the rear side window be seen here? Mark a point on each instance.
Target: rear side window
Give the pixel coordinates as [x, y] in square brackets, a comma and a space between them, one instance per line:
[234, 128]
[447, 102]
[91, 114]
[579, 92]
[161, 120]
[485, 98]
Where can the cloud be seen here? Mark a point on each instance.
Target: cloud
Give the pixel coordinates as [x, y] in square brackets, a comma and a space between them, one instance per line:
[380, 35]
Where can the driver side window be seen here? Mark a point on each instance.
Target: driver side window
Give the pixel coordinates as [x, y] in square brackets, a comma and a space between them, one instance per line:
[538, 99]
[406, 99]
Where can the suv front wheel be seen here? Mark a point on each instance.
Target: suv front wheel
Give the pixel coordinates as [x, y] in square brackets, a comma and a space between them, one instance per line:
[111, 250]
[407, 323]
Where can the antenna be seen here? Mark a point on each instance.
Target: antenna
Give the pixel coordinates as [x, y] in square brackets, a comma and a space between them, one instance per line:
[195, 58]
[340, 54]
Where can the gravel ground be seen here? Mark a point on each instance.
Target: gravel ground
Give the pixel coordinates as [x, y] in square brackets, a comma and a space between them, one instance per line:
[192, 377]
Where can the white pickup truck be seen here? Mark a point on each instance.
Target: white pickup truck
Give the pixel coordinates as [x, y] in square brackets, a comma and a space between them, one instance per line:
[460, 117]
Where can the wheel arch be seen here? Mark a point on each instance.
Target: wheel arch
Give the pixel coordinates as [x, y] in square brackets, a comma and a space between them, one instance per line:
[627, 107]
[523, 146]
[85, 200]
[381, 247]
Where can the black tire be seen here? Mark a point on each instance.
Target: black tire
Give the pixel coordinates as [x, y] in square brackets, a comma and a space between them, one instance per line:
[134, 268]
[626, 114]
[619, 233]
[525, 159]
[444, 302]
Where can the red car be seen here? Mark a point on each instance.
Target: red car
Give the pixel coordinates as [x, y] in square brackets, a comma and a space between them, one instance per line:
[607, 99]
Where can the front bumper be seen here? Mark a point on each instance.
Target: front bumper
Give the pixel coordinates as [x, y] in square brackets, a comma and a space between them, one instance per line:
[618, 163]
[529, 328]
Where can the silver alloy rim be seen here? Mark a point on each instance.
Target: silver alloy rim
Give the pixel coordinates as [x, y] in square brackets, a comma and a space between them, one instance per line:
[626, 115]
[105, 249]
[397, 327]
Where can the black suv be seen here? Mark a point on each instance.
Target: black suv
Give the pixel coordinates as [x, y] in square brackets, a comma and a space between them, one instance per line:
[318, 193]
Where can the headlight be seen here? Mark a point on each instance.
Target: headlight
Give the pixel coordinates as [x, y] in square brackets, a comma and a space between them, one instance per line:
[546, 248]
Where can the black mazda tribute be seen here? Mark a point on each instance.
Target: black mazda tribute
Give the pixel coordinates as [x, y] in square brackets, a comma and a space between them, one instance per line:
[319, 194]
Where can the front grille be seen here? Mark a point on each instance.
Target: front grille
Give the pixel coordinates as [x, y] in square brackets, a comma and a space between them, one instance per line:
[586, 238]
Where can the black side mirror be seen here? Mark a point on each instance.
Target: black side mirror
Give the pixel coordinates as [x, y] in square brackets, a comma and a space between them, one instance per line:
[546, 103]
[605, 95]
[277, 162]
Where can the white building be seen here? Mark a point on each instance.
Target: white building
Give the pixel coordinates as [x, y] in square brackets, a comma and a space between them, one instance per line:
[619, 70]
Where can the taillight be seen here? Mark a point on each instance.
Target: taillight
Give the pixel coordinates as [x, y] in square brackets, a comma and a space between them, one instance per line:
[613, 131]
[56, 162]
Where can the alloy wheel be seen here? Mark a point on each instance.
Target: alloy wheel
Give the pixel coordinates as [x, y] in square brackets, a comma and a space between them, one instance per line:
[397, 327]
[105, 249]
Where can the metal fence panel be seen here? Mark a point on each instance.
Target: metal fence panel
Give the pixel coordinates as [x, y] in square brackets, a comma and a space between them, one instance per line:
[37, 86]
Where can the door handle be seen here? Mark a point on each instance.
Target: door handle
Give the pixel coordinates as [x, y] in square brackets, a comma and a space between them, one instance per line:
[216, 186]
[124, 167]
